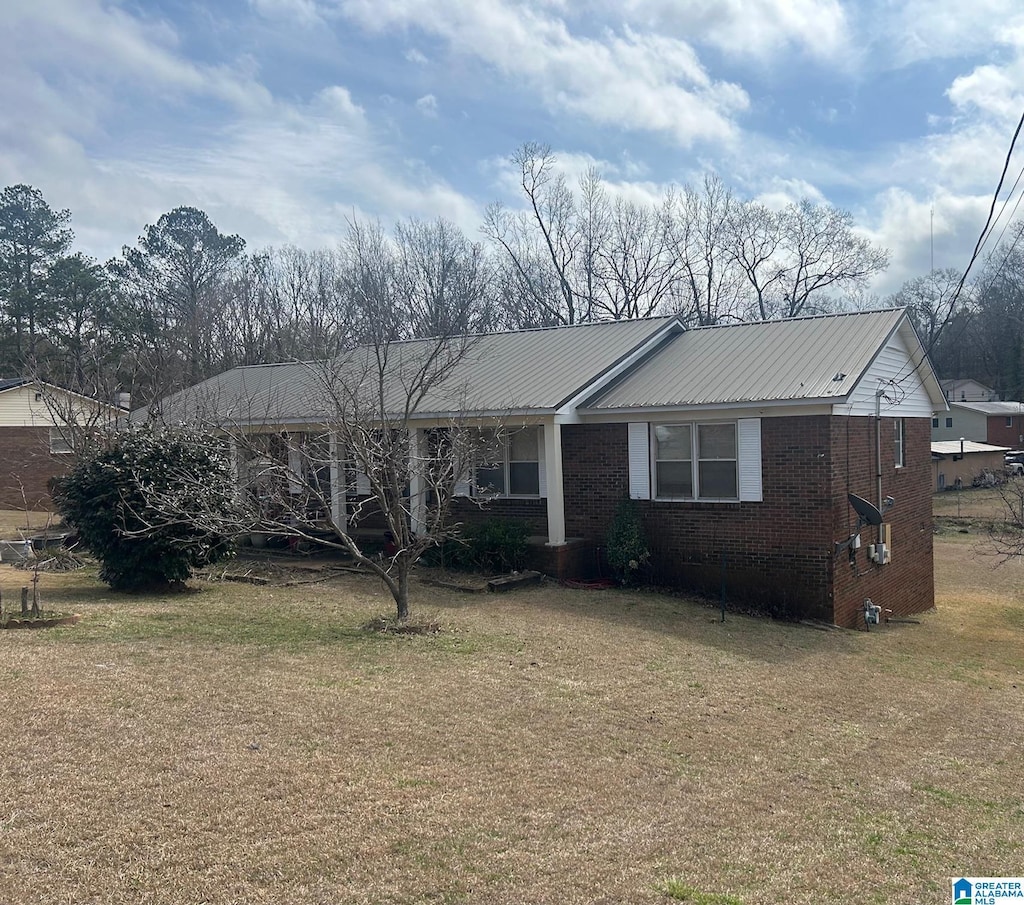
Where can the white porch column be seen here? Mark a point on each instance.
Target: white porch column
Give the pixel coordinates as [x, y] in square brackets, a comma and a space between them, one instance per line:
[417, 481]
[338, 515]
[553, 474]
[236, 477]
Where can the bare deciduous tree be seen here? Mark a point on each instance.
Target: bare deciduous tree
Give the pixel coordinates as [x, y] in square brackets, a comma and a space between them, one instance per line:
[366, 437]
[703, 229]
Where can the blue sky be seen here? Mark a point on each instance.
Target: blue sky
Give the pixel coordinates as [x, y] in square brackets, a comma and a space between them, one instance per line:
[283, 118]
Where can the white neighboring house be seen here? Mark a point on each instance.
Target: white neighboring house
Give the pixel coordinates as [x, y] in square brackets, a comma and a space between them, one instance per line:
[36, 437]
[967, 390]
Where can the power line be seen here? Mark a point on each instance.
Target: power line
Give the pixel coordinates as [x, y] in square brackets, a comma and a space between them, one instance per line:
[985, 231]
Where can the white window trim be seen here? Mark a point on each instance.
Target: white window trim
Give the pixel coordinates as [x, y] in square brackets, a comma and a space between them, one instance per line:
[900, 442]
[694, 462]
[749, 462]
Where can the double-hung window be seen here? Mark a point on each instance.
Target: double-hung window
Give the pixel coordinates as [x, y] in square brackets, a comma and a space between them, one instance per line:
[508, 464]
[900, 441]
[673, 460]
[695, 461]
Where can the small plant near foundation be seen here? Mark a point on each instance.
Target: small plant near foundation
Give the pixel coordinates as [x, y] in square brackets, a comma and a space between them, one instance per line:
[628, 554]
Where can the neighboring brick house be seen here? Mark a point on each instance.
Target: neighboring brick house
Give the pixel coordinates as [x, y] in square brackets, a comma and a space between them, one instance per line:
[741, 444]
[998, 423]
[35, 442]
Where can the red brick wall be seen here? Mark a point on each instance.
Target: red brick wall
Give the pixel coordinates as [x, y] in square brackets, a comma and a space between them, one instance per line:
[906, 585]
[25, 467]
[778, 554]
[533, 512]
[1001, 435]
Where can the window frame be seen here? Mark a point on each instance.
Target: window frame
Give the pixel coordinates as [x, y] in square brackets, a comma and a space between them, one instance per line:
[949, 422]
[1009, 421]
[695, 461]
[900, 442]
[506, 463]
[61, 444]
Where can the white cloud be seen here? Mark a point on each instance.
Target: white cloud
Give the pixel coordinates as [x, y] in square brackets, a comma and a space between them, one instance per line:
[77, 70]
[297, 174]
[305, 12]
[764, 28]
[917, 30]
[911, 226]
[625, 79]
[779, 192]
[427, 105]
[415, 56]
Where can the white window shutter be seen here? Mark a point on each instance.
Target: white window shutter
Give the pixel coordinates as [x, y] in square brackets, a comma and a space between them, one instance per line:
[639, 460]
[542, 470]
[749, 440]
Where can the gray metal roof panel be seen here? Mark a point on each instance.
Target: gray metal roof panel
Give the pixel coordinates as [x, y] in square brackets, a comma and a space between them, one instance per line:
[952, 447]
[796, 359]
[525, 370]
[990, 408]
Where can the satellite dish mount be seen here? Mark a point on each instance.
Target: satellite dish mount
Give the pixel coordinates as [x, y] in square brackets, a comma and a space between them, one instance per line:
[867, 513]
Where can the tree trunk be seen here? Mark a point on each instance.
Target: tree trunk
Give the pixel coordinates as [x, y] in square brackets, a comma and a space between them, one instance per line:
[402, 597]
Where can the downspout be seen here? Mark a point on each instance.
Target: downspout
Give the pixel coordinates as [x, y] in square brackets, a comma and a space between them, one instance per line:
[878, 451]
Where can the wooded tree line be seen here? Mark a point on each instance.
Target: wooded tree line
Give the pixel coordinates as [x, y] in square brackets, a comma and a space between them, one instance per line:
[188, 301]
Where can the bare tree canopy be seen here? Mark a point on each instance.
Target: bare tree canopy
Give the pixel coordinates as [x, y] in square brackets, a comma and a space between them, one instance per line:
[573, 254]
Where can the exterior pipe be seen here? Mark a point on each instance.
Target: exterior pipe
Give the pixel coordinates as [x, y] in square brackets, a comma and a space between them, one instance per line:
[878, 451]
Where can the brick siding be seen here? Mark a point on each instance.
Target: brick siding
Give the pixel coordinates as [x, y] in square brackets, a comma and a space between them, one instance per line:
[998, 434]
[534, 512]
[26, 466]
[907, 584]
[776, 554]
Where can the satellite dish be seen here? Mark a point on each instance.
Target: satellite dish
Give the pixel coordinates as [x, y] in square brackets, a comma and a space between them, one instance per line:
[866, 512]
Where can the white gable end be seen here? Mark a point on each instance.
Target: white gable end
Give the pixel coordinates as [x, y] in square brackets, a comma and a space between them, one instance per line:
[894, 371]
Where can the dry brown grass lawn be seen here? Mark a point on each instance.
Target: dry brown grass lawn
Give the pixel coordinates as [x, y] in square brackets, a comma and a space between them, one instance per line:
[254, 745]
[14, 521]
[971, 502]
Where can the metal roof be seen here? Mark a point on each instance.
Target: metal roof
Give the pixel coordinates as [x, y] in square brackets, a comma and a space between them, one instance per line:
[991, 408]
[802, 359]
[529, 370]
[953, 447]
[10, 383]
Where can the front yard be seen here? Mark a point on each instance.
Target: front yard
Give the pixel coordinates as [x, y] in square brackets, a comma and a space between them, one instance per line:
[243, 744]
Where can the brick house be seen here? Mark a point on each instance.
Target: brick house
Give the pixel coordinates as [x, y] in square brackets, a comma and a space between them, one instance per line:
[998, 423]
[740, 443]
[35, 442]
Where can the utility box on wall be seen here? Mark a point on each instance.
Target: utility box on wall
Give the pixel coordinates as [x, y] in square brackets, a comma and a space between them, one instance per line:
[881, 552]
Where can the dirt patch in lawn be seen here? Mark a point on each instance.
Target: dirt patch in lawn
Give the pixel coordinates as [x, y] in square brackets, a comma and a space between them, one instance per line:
[259, 744]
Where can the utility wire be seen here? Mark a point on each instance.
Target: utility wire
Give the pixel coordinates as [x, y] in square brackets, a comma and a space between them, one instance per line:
[985, 231]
